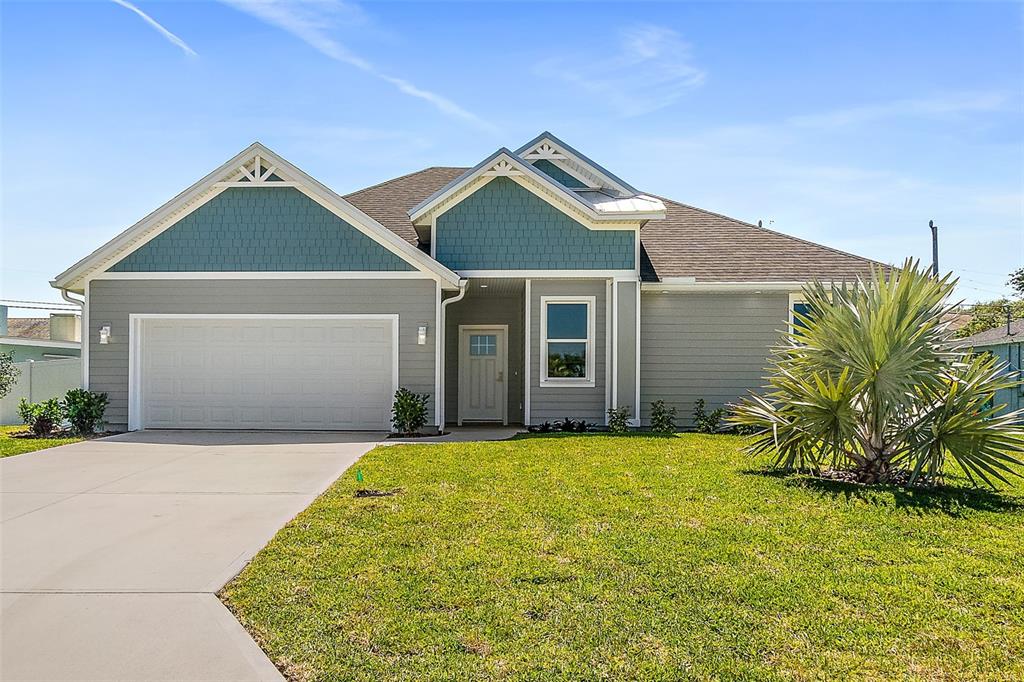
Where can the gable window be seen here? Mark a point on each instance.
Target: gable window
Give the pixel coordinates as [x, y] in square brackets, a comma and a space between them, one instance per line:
[567, 341]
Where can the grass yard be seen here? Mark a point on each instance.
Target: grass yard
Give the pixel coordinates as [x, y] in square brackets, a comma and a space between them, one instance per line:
[17, 446]
[602, 557]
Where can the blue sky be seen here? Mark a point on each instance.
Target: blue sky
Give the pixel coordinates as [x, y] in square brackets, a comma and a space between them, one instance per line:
[847, 124]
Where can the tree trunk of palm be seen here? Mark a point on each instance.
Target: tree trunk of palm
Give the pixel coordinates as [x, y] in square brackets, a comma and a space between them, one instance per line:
[875, 469]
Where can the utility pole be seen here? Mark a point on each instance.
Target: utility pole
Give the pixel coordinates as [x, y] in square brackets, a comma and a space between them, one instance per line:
[935, 248]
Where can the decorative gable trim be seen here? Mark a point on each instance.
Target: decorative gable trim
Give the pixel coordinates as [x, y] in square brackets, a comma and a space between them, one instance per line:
[547, 146]
[254, 166]
[504, 163]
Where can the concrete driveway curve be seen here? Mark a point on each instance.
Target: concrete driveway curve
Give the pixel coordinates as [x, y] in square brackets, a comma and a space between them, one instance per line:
[113, 549]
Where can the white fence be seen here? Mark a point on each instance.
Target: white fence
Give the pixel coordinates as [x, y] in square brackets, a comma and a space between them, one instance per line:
[40, 381]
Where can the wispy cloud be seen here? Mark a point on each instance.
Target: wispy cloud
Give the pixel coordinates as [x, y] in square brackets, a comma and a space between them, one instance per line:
[173, 39]
[652, 69]
[312, 21]
[950, 104]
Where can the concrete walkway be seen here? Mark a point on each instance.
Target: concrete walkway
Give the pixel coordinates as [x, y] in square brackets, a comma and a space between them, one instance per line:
[113, 549]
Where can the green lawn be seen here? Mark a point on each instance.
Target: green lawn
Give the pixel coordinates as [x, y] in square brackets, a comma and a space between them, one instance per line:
[16, 446]
[601, 557]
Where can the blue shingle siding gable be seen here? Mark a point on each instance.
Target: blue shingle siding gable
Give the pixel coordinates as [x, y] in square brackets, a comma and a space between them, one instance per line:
[558, 175]
[503, 226]
[261, 229]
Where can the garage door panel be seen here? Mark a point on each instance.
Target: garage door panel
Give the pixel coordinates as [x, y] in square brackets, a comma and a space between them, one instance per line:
[308, 373]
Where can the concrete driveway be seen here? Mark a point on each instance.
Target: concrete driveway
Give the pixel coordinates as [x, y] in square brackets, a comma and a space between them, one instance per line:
[112, 549]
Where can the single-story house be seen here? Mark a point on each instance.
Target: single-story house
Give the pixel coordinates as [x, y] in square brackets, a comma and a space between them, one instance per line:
[1004, 342]
[57, 337]
[533, 286]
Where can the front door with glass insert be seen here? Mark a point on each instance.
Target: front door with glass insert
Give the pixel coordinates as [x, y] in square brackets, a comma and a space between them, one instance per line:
[483, 364]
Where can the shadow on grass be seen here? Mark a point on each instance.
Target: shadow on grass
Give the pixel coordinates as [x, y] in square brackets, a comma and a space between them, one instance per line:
[946, 499]
[627, 434]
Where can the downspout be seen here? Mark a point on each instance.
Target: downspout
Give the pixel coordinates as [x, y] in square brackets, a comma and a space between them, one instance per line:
[83, 336]
[442, 334]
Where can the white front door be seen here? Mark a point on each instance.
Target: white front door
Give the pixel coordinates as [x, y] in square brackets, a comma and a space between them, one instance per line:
[483, 366]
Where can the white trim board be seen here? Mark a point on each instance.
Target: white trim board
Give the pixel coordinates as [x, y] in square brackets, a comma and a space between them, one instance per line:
[135, 321]
[620, 275]
[503, 163]
[589, 381]
[255, 275]
[527, 362]
[213, 184]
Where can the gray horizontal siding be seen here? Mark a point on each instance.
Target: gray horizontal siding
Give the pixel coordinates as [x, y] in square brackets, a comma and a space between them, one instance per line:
[711, 346]
[555, 402]
[479, 308]
[112, 301]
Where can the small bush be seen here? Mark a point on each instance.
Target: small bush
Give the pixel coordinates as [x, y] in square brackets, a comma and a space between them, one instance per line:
[546, 427]
[618, 418]
[42, 417]
[409, 412]
[663, 417]
[705, 422]
[84, 409]
[572, 425]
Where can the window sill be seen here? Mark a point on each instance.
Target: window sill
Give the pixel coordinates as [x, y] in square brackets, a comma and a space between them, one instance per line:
[567, 383]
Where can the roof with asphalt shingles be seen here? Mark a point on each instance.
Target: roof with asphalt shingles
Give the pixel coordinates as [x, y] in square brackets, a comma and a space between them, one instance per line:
[688, 242]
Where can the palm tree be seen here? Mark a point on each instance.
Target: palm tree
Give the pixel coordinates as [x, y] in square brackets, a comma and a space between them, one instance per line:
[868, 380]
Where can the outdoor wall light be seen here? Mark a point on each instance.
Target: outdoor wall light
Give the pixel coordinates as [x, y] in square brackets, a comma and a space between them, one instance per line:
[421, 335]
[105, 333]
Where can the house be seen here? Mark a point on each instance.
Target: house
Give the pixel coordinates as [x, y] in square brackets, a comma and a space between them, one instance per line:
[57, 337]
[1005, 343]
[533, 286]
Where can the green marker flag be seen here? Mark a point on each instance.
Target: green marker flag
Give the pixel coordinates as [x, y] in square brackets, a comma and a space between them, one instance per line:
[359, 475]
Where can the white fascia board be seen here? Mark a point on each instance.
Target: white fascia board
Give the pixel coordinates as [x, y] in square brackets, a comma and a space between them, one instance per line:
[669, 286]
[619, 275]
[254, 275]
[70, 277]
[42, 343]
[214, 183]
[577, 157]
[531, 179]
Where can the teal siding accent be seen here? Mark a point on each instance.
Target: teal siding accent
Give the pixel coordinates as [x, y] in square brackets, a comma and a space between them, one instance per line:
[261, 229]
[503, 226]
[557, 174]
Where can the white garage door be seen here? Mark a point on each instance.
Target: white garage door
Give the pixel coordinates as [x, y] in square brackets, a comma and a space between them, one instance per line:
[282, 372]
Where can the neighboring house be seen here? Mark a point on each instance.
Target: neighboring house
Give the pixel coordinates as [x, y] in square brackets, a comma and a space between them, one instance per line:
[1005, 343]
[39, 338]
[534, 286]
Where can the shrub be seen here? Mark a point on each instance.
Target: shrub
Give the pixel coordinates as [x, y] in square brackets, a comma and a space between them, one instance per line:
[546, 427]
[704, 422]
[872, 384]
[572, 425]
[409, 412]
[618, 418]
[84, 409]
[663, 417]
[41, 417]
[9, 373]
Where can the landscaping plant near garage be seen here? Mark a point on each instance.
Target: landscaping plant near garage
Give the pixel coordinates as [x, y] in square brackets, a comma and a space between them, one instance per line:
[868, 382]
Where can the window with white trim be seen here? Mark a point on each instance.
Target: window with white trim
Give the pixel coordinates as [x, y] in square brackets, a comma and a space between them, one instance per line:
[567, 341]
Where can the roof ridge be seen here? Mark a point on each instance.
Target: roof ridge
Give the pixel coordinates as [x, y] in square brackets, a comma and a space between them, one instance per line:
[774, 232]
[402, 177]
